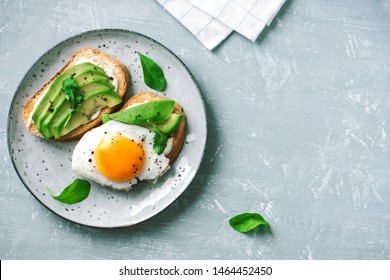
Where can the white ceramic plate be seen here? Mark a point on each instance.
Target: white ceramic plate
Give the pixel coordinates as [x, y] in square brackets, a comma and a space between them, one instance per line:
[41, 163]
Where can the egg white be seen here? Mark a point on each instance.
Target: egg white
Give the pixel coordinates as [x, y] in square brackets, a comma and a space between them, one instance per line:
[83, 159]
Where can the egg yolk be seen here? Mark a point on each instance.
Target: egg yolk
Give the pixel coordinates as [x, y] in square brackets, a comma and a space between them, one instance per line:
[119, 158]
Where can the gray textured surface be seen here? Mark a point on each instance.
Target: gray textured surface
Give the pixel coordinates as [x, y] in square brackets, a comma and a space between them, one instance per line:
[298, 131]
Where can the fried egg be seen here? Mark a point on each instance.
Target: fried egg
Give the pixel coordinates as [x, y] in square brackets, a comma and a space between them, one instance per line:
[118, 155]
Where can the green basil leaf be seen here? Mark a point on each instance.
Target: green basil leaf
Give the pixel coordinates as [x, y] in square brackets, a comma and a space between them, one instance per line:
[74, 193]
[70, 89]
[72, 93]
[79, 99]
[153, 74]
[248, 221]
[159, 142]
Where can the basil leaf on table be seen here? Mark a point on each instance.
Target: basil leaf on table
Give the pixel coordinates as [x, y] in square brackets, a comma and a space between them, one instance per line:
[153, 74]
[74, 193]
[248, 221]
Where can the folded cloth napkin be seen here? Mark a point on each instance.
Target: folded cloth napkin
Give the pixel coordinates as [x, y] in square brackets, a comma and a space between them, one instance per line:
[211, 21]
[209, 31]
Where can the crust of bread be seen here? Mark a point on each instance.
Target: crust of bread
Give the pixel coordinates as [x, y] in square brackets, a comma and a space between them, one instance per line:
[102, 59]
[178, 136]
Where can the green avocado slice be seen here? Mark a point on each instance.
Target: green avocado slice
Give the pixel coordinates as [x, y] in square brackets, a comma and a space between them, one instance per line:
[54, 96]
[95, 86]
[55, 87]
[53, 115]
[92, 102]
[143, 114]
[89, 76]
[47, 125]
[169, 126]
[60, 105]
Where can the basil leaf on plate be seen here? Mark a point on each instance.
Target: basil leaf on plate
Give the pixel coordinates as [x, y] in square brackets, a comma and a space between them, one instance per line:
[74, 193]
[159, 142]
[248, 221]
[153, 74]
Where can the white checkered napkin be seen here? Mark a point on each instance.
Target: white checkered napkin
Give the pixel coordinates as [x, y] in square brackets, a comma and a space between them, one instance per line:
[247, 17]
[209, 30]
[211, 21]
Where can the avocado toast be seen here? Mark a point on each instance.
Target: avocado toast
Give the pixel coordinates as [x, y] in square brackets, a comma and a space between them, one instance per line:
[176, 122]
[98, 82]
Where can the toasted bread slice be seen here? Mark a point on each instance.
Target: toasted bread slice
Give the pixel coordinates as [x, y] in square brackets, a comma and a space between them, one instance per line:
[104, 60]
[178, 136]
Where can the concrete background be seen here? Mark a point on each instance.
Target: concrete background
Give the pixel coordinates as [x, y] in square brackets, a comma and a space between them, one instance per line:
[297, 131]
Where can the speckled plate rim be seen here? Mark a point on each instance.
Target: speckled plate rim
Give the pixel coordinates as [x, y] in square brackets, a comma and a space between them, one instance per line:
[203, 143]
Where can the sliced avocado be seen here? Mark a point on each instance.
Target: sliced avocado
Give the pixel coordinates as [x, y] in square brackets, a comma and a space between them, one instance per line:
[92, 102]
[42, 118]
[55, 87]
[53, 115]
[59, 105]
[93, 86]
[54, 96]
[169, 126]
[47, 125]
[57, 108]
[60, 123]
[89, 76]
[143, 114]
[54, 110]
